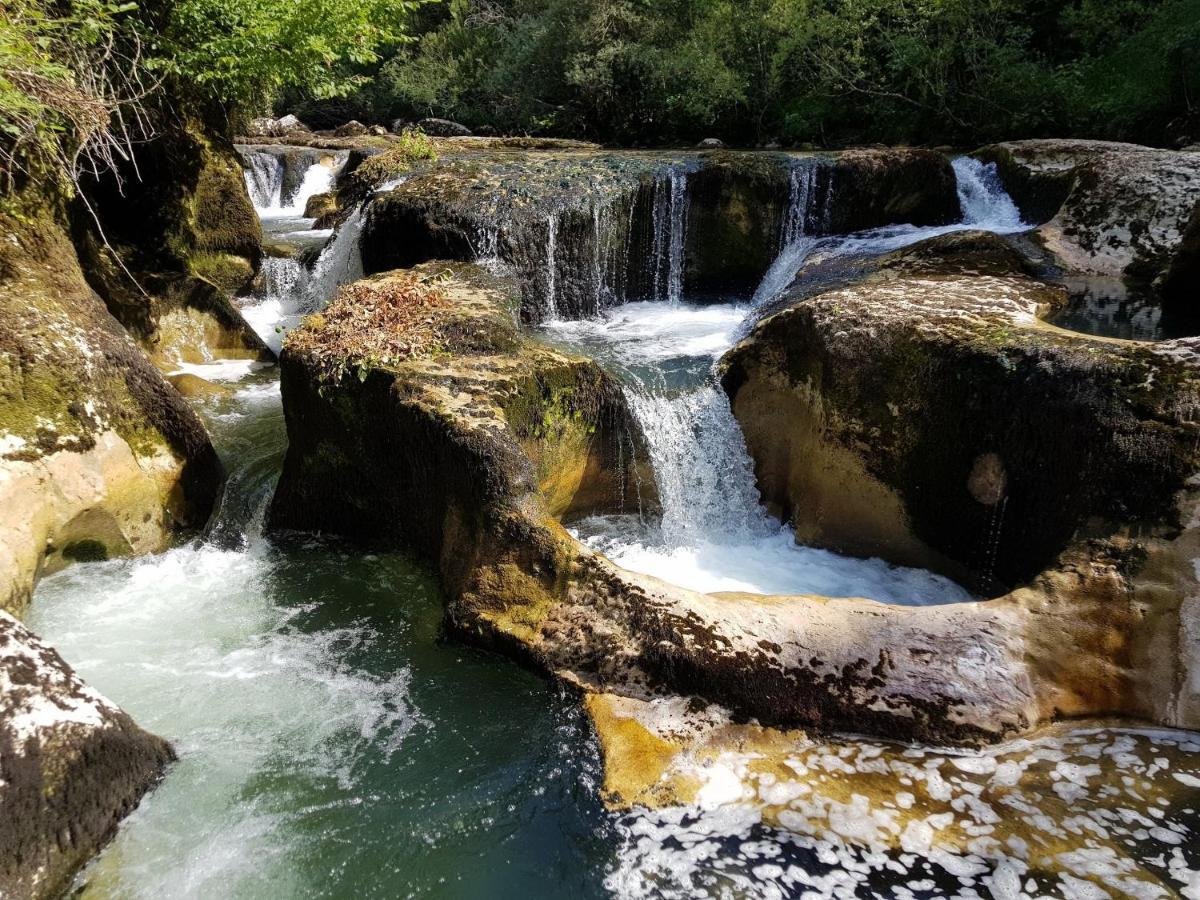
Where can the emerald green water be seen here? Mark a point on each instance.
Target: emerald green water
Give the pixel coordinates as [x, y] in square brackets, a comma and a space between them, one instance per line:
[331, 743]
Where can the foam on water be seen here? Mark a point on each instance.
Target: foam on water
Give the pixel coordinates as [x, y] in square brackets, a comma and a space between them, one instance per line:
[1095, 812]
[714, 534]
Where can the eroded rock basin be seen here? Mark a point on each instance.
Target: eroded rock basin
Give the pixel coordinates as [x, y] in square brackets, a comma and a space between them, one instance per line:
[406, 764]
[329, 742]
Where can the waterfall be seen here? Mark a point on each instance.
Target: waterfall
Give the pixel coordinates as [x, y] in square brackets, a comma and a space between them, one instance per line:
[264, 178]
[982, 197]
[266, 175]
[318, 179]
[704, 475]
[291, 292]
[801, 183]
[552, 266]
[677, 235]
[669, 221]
[714, 534]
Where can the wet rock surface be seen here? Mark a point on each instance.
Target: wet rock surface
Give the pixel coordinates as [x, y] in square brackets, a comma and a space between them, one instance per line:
[73, 766]
[927, 416]
[585, 230]
[101, 456]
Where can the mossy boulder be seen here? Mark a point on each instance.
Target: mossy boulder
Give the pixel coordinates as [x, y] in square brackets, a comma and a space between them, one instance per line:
[99, 455]
[183, 220]
[493, 419]
[927, 416]
[74, 765]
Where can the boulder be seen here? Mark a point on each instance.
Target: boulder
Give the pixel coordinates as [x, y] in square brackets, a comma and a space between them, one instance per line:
[353, 128]
[287, 124]
[74, 765]
[443, 128]
[319, 205]
[711, 144]
[870, 188]
[399, 126]
[926, 415]
[377, 131]
[99, 455]
[1106, 208]
[182, 229]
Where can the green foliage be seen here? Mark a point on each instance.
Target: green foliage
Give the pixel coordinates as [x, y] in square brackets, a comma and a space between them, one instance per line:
[244, 51]
[55, 95]
[824, 71]
[82, 81]
[412, 148]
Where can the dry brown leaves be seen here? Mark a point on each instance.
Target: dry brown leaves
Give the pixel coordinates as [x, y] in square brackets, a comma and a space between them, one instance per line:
[371, 323]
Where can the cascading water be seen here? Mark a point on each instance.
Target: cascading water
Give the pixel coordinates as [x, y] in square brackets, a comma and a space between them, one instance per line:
[677, 234]
[669, 215]
[714, 534]
[332, 745]
[290, 292]
[982, 197]
[264, 179]
[266, 176]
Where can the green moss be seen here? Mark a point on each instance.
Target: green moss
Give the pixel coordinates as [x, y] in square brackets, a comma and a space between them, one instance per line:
[227, 271]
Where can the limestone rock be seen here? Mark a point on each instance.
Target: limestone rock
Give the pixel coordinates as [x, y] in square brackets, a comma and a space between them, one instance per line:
[287, 124]
[711, 144]
[1107, 208]
[443, 128]
[268, 127]
[927, 416]
[99, 456]
[319, 205]
[74, 765]
[353, 128]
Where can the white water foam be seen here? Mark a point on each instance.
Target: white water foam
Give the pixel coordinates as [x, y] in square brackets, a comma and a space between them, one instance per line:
[264, 180]
[198, 651]
[714, 534]
[1070, 813]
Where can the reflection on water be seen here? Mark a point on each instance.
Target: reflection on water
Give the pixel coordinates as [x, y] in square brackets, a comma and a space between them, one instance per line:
[1111, 307]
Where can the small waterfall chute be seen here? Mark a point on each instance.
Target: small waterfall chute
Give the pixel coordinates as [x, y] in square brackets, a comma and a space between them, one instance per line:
[264, 179]
[982, 198]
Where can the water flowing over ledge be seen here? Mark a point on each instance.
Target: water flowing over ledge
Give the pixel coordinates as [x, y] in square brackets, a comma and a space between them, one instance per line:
[375, 712]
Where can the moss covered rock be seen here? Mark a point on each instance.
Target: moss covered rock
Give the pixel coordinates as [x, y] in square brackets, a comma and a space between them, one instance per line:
[180, 228]
[586, 229]
[99, 455]
[74, 765]
[927, 416]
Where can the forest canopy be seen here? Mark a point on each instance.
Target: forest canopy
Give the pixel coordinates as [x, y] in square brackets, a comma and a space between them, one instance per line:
[81, 79]
[797, 71]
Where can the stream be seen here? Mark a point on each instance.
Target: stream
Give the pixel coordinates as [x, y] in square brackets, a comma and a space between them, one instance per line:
[333, 744]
